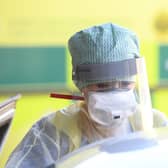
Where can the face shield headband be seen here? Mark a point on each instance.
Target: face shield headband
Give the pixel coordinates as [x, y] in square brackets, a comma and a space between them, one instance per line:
[109, 71]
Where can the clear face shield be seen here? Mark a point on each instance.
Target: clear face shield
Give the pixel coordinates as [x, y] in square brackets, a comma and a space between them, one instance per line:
[123, 92]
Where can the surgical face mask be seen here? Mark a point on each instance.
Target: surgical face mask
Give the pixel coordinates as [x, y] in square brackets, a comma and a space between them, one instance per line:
[110, 108]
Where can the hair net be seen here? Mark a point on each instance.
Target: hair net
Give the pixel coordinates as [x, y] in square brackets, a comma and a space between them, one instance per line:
[100, 45]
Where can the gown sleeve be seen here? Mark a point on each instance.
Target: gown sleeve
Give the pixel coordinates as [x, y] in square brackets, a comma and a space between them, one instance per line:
[41, 147]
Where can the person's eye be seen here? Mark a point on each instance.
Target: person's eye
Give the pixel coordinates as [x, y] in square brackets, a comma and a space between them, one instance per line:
[125, 84]
[102, 85]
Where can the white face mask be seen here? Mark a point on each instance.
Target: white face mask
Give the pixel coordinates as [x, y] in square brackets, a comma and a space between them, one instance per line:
[110, 108]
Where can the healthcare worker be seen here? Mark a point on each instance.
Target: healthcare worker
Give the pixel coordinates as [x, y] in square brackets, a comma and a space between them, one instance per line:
[111, 75]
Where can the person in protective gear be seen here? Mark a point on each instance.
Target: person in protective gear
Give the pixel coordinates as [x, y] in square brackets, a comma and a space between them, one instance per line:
[109, 72]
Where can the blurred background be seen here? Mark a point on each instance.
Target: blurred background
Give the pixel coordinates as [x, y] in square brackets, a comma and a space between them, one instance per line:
[34, 59]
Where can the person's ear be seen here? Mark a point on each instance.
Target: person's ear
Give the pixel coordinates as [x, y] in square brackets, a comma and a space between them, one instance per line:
[84, 92]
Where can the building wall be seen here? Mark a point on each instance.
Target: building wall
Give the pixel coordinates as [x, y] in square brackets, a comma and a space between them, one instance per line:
[41, 23]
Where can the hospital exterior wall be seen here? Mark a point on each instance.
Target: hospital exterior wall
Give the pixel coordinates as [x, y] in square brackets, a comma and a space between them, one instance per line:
[35, 23]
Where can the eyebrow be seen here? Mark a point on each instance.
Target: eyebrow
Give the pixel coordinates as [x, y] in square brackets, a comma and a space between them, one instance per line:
[114, 84]
[101, 85]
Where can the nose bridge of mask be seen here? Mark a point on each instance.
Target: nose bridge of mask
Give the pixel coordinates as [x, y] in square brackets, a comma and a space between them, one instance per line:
[113, 99]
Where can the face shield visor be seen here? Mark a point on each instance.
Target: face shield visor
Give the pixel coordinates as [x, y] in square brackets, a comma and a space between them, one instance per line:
[117, 91]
